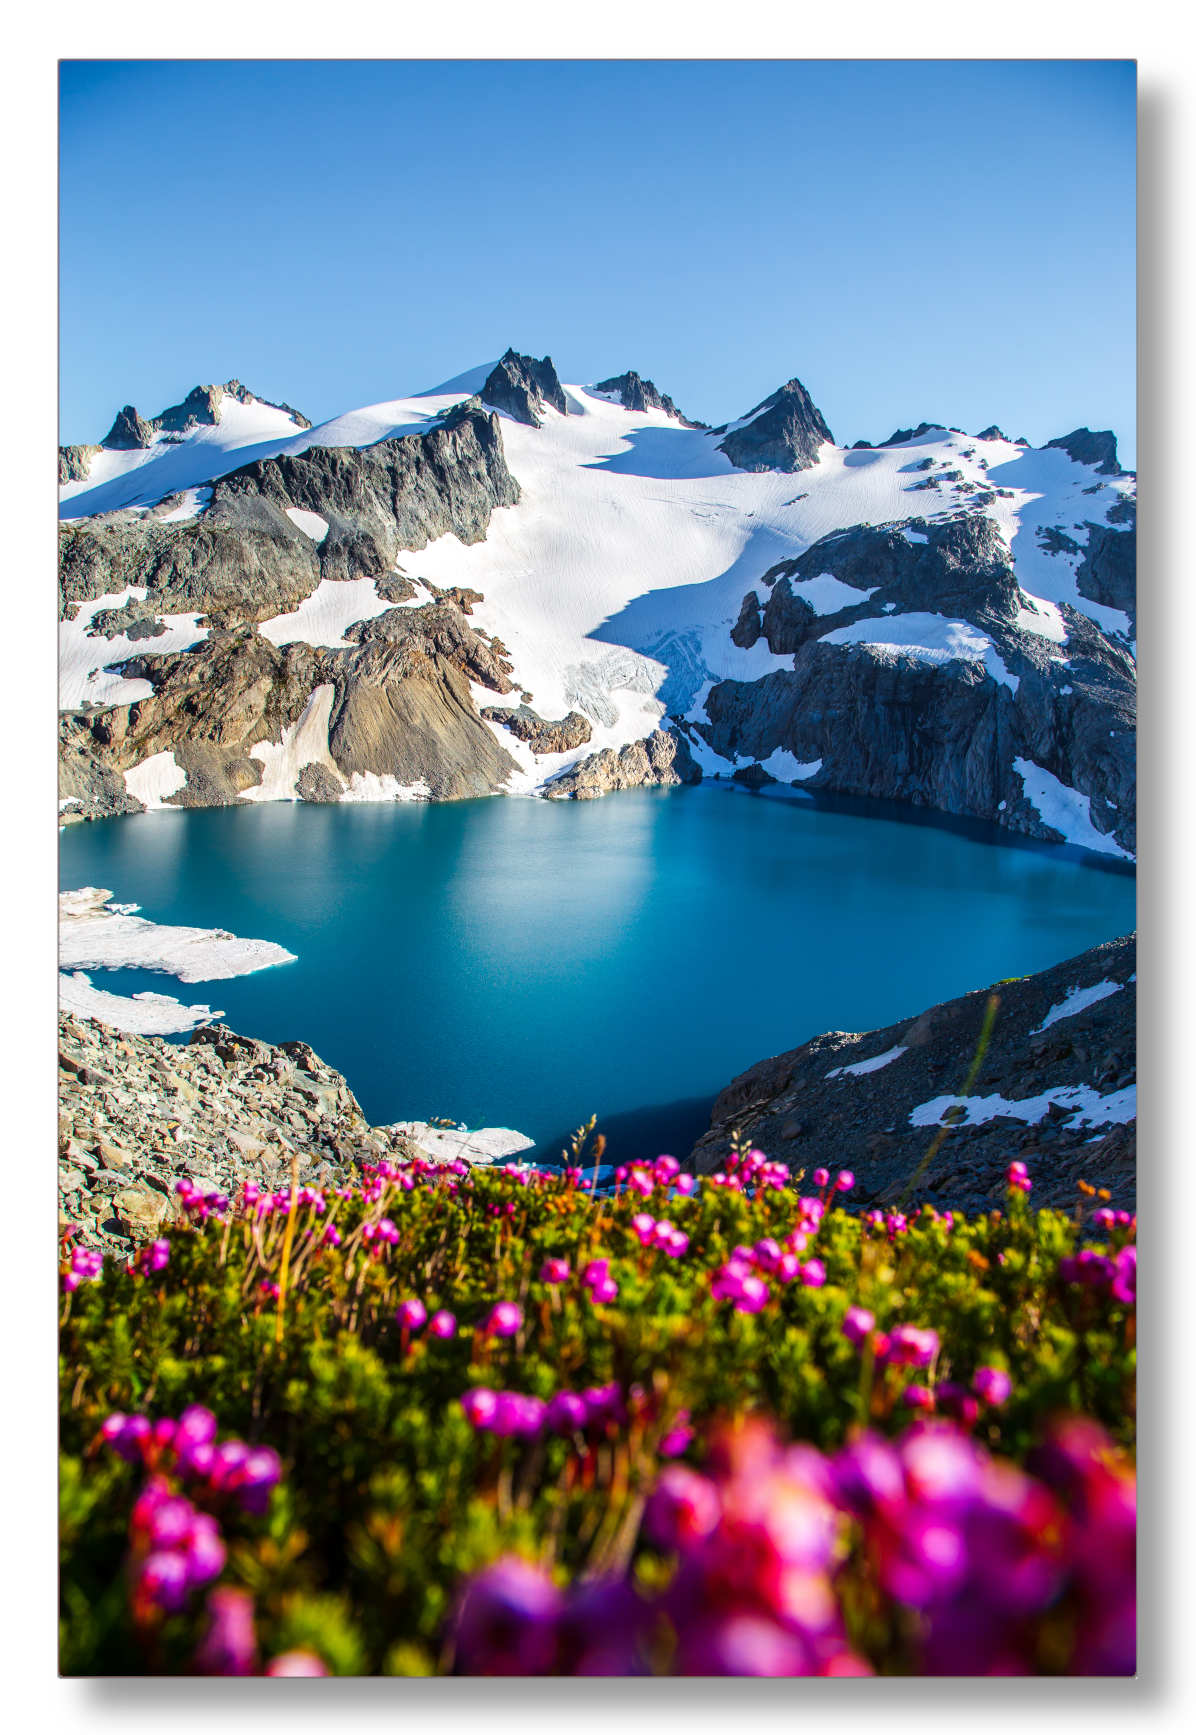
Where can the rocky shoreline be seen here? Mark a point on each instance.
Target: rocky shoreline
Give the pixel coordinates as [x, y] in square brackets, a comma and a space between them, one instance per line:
[1055, 1089]
[137, 1113]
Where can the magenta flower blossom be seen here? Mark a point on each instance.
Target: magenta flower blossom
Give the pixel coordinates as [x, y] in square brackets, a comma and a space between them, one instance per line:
[296, 1663]
[555, 1271]
[205, 1552]
[479, 1405]
[728, 1280]
[1124, 1287]
[684, 1184]
[993, 1385]
[844, 1181]
[332, 1236]
[753, 1295]
[644, 1226]
[595, 1271]
[678, 1437]
[821, 1177]
[954, 1400]
[515, 1413]
[813, 1274]
[918, 1397]
[164, 1579]
[503, 1320]
[911, 1347]
[442, 1324]
[1087, 1267]
[857, 1323]
[411, 1314]
[506, 1621]
[766, 1254]
[677, 1244]
[603, 1402]
[684, 1509]
[604, 1290]
[566, 1413]
[229, 1647]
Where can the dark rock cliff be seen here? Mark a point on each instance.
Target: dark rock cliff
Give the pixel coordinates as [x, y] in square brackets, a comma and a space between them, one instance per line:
[787, 433]
[243, 559]
[936, 735]
[1084, 447]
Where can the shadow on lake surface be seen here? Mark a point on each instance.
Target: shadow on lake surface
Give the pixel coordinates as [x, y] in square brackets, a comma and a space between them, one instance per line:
[638, 1135]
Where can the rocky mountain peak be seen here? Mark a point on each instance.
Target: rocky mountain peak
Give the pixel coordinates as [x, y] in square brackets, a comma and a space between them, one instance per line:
[640, 394]
[1085, 447]
[899, 436]
[522, 386]
[785, 432]
[200, 408]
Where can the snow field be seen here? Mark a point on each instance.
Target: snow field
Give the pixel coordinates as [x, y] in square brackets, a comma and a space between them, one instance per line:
[368, 786]
[324, 617]
[84, 660]
[155, 778]
[305, 743]
[1065, 809]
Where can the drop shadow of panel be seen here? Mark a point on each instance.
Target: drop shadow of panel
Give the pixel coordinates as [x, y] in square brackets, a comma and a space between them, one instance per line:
[668, 455]
[639, 1134]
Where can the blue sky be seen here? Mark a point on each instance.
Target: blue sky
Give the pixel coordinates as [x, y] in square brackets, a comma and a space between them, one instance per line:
[948, 241]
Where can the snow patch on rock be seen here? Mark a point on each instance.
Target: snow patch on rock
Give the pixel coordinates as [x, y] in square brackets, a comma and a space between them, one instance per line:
[1092, 1109]
[929, 638]
[863, 1066]
[1064, 809]
[1076, 1000]
[324, 617]
[154, 779]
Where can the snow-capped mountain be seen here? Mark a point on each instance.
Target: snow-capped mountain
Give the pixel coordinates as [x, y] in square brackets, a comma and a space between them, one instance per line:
[512, 583]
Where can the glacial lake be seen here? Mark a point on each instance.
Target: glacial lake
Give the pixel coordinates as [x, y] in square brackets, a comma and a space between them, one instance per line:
[520, 963]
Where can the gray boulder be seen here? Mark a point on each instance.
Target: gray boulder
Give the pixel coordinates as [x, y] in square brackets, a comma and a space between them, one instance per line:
[663, 759]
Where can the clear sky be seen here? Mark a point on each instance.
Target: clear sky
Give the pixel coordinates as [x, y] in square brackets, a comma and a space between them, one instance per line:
[915, 240]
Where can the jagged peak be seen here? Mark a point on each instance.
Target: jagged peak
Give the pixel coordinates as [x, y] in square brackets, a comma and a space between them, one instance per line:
[785, 432]
[637, 393]
[200, 408]
[1083, 446]
[521, 386]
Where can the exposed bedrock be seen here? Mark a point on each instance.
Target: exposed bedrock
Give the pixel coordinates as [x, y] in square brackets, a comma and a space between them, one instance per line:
[791, 1107]
[1085, 447]
[1108, 572]
[787, 432]
[522, 386]
[243, 559]
[663, 759]
[397, 702]
[74, 462]
[542, 735]
[640, 394]
[943, 735]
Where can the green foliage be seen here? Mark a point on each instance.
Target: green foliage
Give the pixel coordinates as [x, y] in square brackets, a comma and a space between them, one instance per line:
[388, 1496]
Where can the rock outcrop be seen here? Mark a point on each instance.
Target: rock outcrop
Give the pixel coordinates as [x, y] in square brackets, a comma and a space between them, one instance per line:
[936, 734]
[1084, 447]
[74, 462]
[663, 759]
[1051, 1094]
[1108, 572]
[785, 432]
[137, 1113]
[640, 394]
[200, 408]
[522, 386]
[541, 735]
[396, 704]
[243, 559]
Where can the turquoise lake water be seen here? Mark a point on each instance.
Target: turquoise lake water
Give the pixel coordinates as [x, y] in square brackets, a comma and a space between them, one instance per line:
[527, 963]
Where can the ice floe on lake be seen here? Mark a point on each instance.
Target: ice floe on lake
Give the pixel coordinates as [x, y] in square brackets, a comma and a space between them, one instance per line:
[482, 1145]
[145, 1014]
[91, 937]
